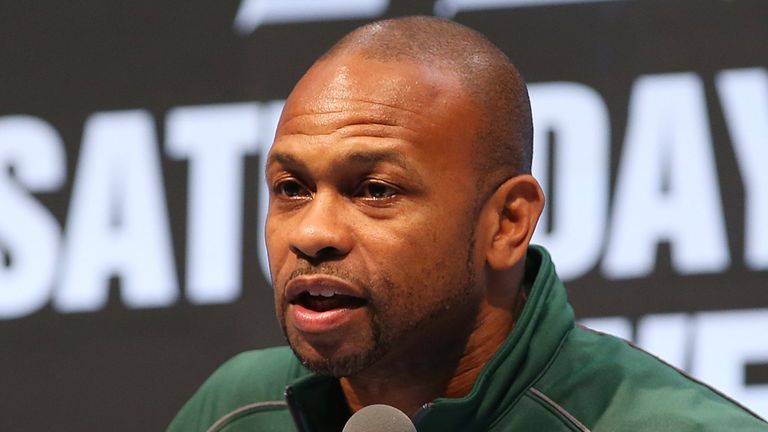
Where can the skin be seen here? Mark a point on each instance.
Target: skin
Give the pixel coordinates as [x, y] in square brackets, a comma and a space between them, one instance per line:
[373, 186]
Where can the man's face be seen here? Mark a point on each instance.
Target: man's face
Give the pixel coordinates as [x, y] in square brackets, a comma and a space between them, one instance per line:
[371, 215]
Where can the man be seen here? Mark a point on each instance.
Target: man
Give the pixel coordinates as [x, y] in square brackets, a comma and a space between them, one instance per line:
[400, 216]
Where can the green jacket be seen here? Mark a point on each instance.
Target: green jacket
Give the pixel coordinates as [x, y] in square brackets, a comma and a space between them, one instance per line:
[549, 375]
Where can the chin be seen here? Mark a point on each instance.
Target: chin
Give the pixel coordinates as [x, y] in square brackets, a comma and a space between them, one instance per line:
[336, 361]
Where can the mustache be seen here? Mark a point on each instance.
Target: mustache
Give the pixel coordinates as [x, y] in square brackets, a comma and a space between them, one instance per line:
[327, 269]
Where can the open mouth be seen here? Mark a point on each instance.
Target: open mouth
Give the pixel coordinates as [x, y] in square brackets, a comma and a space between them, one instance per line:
[325, 300]
[324, 304]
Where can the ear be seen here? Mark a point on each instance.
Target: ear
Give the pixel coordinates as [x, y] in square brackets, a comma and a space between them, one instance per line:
[514, 210]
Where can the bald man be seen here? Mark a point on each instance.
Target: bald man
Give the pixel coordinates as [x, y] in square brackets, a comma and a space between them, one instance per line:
[400, 216]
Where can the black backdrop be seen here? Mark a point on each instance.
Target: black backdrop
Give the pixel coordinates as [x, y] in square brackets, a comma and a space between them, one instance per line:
[128, 363]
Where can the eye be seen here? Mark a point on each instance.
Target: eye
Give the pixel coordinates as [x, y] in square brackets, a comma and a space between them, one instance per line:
[377, 190]
[290, 189]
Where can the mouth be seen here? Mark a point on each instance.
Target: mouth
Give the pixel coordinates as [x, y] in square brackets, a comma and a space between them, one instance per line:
[321, 293]
[320, 303]
[326, 300]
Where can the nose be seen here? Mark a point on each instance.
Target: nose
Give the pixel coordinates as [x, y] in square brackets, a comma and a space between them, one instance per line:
[322, 233]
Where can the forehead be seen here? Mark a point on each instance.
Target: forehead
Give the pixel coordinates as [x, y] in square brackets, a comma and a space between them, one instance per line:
[350, 90]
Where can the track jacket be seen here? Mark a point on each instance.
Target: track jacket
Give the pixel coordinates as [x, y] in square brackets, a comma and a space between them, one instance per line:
[550, 375]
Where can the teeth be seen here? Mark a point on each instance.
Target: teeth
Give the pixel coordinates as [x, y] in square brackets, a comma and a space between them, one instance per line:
[322, 292]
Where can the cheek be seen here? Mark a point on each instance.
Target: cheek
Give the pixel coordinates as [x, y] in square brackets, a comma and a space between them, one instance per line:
[277, 243]
[419, 260]
[423, 240]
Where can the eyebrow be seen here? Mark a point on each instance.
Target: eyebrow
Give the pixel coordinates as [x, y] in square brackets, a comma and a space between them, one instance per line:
[286, 160]
[353, 158]
[374, 157]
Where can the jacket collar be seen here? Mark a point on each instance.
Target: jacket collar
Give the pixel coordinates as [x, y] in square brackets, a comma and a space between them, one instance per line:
[317, 402]
[534, 340]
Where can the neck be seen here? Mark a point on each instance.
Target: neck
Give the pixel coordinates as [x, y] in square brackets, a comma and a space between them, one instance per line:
[414, 380]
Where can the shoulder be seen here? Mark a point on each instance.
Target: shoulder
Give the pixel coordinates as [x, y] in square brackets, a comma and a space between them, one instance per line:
[257, 373]
[609, 384]
[247, 378]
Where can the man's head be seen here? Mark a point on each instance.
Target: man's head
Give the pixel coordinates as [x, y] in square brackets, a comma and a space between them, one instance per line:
[396, 202]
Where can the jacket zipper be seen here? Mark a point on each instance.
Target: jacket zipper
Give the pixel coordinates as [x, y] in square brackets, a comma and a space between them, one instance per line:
[422, 412]
[296, 412]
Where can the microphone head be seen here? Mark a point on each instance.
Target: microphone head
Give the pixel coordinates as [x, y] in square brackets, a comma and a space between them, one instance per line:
[379, 418]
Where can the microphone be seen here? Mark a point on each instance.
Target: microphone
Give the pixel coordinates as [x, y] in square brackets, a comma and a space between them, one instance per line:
[379, 418]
